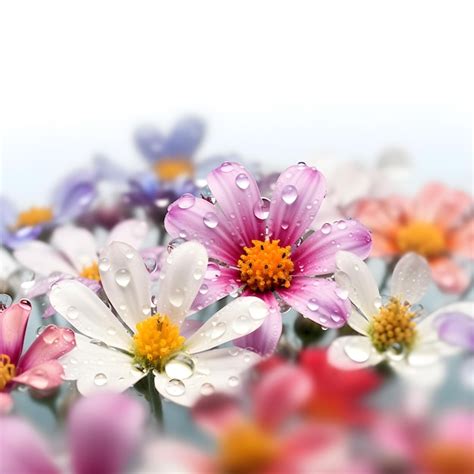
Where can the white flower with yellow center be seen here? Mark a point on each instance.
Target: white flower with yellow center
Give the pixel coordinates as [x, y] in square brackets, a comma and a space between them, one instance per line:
[113, 353]
[393, 331]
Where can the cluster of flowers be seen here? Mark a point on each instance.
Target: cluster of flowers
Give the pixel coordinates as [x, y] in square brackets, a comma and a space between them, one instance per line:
[178, 281]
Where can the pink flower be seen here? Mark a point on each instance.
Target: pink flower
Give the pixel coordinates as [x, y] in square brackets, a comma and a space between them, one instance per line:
[266, 247]
[38, 368]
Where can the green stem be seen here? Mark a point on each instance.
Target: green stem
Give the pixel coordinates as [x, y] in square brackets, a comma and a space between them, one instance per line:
[146, 386]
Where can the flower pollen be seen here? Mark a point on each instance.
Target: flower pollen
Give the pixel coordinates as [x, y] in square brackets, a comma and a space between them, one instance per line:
[91, 272]
[422, 238]
[7, 371]
[34, 216]
[266, 266]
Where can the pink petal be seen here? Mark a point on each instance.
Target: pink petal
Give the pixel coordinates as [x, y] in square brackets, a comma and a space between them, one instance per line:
[296, 200]
[288, 387]
[237, 194]
[104, 431]
[13, 322]
[217, 413]
[382, 246]
[51, 344]
[45, 376]
[461, 240]
[317, 254]
[185, 218]
[23, 450]
[448, 275]
[265, 339]
[319, 300]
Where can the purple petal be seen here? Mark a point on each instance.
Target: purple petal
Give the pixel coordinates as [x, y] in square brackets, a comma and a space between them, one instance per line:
[149, 141]
[298, 194]
[16, 238]
[144, 188]
[318, 299]
[456, 329]
[184, 138]
[317, 254]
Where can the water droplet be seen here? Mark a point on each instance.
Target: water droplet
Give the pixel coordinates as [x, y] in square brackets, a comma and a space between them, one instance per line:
[100, 379]
[396, 352]
[326, 228]
[289, 194]
[213, 271]
[186, 201]
[261, 209]
[227, 167]
[150, 264]
[233, 381]
[313, 304]
[242, 181]
[210, 220]
[234, 351]
[218, 330]
[68, 335]
[122, 277]
[336, 318]
[283, 307]
[5, 301]
[104, 264]
[175, 243]
[72, 312]
[176, 298]
[207, 389]
[112, 331]
[175, 387]
[378, 302]
[241, 324]
[50, 335]
[341, 225]
[342, 293]
[258, 310]
[301, 164]
[180, 367]
[358, 349]
[204, 289]
[285, 225]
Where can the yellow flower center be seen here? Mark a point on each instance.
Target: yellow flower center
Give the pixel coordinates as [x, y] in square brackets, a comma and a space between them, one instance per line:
[156, 339]
[393, 326]
[246, 449]
[169, 169]
[266, 266]
[7, 370]
[91, 272]
[423, 238]
[34, 216]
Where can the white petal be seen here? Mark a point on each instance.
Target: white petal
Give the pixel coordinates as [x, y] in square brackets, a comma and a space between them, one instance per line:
[99, 368]
[182, 276]
[411, 278]
[88, 314]
[130, 231]
[421, 377]
[77, 244]
[353, 352]
[42, 259]
[7, 264]
[358, 322]
[359, 282]
[240, 317]
[126, 282]
[216, 370]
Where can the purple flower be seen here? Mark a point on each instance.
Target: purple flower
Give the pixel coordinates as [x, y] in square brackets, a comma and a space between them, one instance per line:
[457, 327]
[265, 247]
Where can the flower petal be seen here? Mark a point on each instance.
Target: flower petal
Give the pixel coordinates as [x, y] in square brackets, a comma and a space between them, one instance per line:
[448, 275]
[126, 282]
[43, 259]
[355, 277]
[318, 299]
[99, 368]
[411, 278]
[456, 329]
[84, 310]
[181, 276]
[240, 317]
[264, 340]
[237, 194]
[185, 219]
[45, 376]
[217, 370]
[358, 322]
[317, 254]
[298, 194]
[6, 404]
[461, 240]
[13, 321]
[115, 438]
[77, 244]
[353, 352]
[131, 231]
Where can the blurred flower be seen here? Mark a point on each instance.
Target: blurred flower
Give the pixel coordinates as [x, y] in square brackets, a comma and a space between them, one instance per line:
[111, 356]
[98, 439]
[269, 263]
[70, 199]
[437, 224]
[39, 367]
[392, 331]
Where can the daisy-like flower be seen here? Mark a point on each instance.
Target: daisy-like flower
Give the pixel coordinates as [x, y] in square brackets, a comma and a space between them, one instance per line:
[39, 367]
[393, 331]
[70, 199]
[437, 223]
[154, 337]
[258, 245]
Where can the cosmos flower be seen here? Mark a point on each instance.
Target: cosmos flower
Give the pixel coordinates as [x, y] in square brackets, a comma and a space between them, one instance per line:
[98, 439]
[392, 330]
[70, 199]
[39, 367]
[437, 224]
[263, 246]
[154, 337]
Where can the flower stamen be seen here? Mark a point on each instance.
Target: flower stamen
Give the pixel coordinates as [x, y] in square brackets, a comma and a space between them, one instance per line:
[7, 370]
[423, 238]
[34, 216]
[91, 272]
[169, 169]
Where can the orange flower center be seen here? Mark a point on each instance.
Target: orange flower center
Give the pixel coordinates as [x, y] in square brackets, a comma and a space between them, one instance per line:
[91, 272]
[169, 169]
[34, 216]
[266, 266]
[423, 238]
[7, 371]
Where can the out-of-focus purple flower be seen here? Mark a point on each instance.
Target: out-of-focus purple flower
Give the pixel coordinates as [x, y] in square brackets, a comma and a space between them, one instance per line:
[457, 328]
[264, 246]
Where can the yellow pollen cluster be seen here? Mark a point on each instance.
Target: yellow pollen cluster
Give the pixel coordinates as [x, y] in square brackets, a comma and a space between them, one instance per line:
[266, 266]
[393, 325]
[169, 169]
[156, 339]
[7, 370]
[246, 449]
[91, 272]
[34, 216]
[423, 238]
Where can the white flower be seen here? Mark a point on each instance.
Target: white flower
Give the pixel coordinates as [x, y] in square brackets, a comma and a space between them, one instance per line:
[114, 356]
[394, 331]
